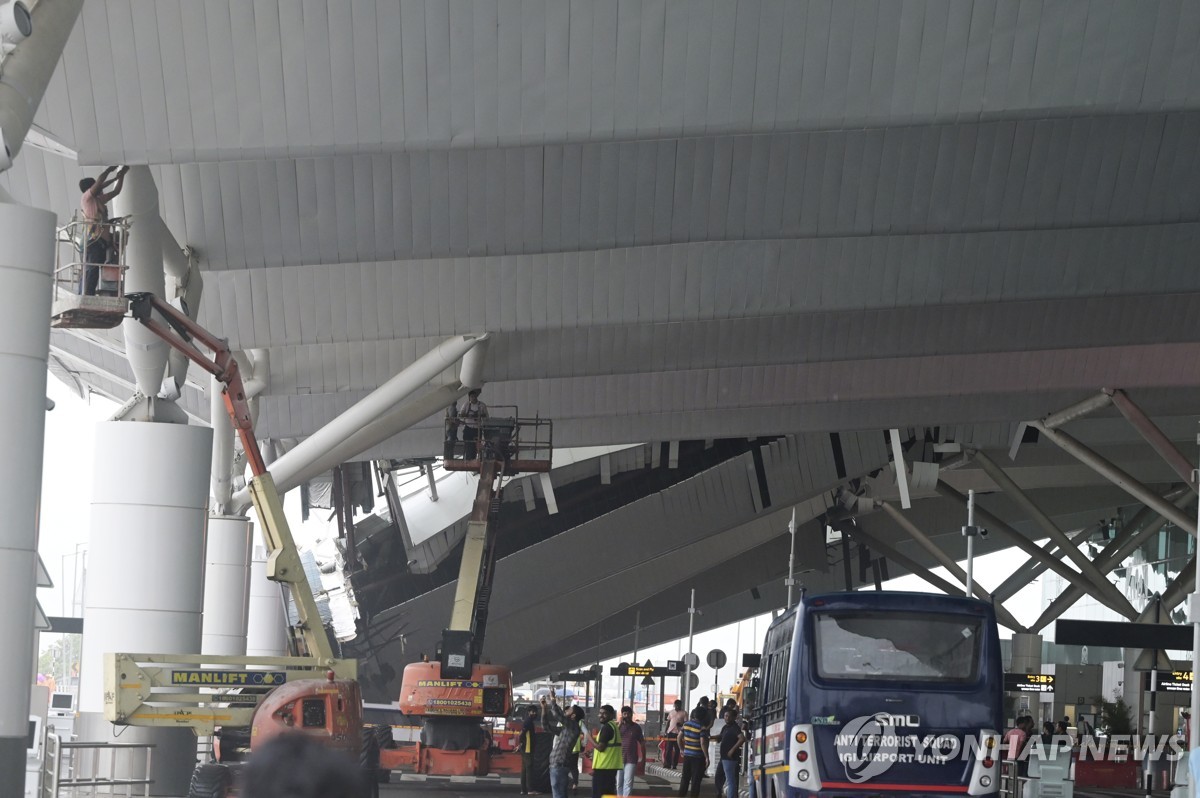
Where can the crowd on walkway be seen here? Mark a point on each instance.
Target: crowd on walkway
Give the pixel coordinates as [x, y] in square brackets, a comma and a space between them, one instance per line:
[619, 747]
[687, 747]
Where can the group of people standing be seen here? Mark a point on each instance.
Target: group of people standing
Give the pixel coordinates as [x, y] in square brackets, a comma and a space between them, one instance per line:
[1024, 733]
[688, 737]
[617, 749]
[619, 746]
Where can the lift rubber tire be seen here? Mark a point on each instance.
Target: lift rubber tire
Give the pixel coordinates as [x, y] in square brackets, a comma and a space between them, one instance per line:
[542, 743]
[368, 760]
[383, 737]
[211, 780]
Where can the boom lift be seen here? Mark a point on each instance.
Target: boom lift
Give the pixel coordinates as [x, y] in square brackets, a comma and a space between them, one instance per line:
[456, 692]
[245, 701]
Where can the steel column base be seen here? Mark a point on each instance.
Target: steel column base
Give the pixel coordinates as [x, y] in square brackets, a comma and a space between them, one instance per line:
[12, 761]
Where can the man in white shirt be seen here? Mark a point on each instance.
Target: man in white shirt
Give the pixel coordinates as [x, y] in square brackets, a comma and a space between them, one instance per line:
[471, 416]
[674, 720]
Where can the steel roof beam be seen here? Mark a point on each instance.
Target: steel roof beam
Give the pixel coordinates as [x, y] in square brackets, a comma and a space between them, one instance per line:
[1089, 571]
[995, 524]
[949, 564]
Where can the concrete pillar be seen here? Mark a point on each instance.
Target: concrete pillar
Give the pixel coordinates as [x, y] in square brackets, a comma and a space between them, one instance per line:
[226, 585]
[26, 266]
[145, 556]
[266, 628]
[1026, 654]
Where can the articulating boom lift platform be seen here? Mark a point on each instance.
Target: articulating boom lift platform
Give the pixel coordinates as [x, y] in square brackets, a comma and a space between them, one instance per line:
[456, 692]
[243, 701]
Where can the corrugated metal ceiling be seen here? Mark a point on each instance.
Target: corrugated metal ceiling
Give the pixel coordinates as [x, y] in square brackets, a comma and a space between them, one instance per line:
[678, 219]
[675, 218]
[185, 81]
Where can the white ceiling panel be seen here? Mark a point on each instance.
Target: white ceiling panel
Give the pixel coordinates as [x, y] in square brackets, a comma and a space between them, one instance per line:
[429, 75]
[677, 219]
[1002, 175]
[719, 280]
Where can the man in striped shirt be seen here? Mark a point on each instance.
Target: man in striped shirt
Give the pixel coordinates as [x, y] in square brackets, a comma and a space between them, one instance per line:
[565, 726]
[693, 742]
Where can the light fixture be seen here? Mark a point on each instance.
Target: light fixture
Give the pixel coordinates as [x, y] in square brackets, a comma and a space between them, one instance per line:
[16, 24]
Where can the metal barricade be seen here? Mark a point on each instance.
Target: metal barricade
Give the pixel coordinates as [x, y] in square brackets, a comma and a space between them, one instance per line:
[1011, 783]
[92, 766]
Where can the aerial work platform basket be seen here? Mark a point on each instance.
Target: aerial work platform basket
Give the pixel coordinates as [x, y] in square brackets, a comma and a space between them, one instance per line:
[89, 274]
[523, 445]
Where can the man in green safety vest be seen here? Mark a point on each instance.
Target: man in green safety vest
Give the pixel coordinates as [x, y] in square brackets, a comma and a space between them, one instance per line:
[606, 758]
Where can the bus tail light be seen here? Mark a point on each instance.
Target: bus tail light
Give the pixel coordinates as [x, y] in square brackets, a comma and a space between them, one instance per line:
[802, 770]
[984, 771]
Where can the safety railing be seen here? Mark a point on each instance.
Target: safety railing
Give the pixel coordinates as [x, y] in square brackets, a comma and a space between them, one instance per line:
[79, 769]
[1011, 783]
[90, 257]
[524, 444]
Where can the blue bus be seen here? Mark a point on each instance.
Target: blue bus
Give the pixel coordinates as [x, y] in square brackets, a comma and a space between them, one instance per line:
[879, 693]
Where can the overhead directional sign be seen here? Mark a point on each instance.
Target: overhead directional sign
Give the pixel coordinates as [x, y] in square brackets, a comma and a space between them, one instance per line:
[1170, 681]
[1123, 633]
[574, 676]
[635, 670]
[673, 668]
[1029, 682]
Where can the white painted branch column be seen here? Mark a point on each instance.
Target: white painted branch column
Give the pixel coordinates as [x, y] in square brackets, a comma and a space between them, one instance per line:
[226, 585]
[26, 266]
[266, 628]
[145, 563]
[144, 255]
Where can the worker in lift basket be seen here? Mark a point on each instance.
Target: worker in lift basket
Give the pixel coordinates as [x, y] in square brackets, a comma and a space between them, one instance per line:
[471, 416]
[94, 204]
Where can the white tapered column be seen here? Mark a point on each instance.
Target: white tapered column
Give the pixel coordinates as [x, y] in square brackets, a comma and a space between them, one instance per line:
[266, 628]
[144, 255]
[145, 564]
[26, 265]
[226, 585]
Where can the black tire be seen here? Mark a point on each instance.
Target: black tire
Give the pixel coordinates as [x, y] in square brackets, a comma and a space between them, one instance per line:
[210, 781]
[368, 760]
[383, 738]
[540, 778]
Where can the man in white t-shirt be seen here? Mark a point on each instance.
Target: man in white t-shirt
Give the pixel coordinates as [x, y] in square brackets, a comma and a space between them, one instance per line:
[674, 722]
[471, 416]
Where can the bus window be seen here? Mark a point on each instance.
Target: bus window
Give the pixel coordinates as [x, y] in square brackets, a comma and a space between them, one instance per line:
[857, 690]
[898, 646]
[777, 655]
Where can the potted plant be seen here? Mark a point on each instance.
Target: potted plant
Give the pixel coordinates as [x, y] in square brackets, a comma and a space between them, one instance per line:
[1114, 722]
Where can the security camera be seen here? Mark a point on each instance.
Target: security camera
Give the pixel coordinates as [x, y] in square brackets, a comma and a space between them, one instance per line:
[970, 531]
[16, 24]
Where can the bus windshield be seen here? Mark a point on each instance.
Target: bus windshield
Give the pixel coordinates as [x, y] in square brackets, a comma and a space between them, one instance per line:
[898, 646]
